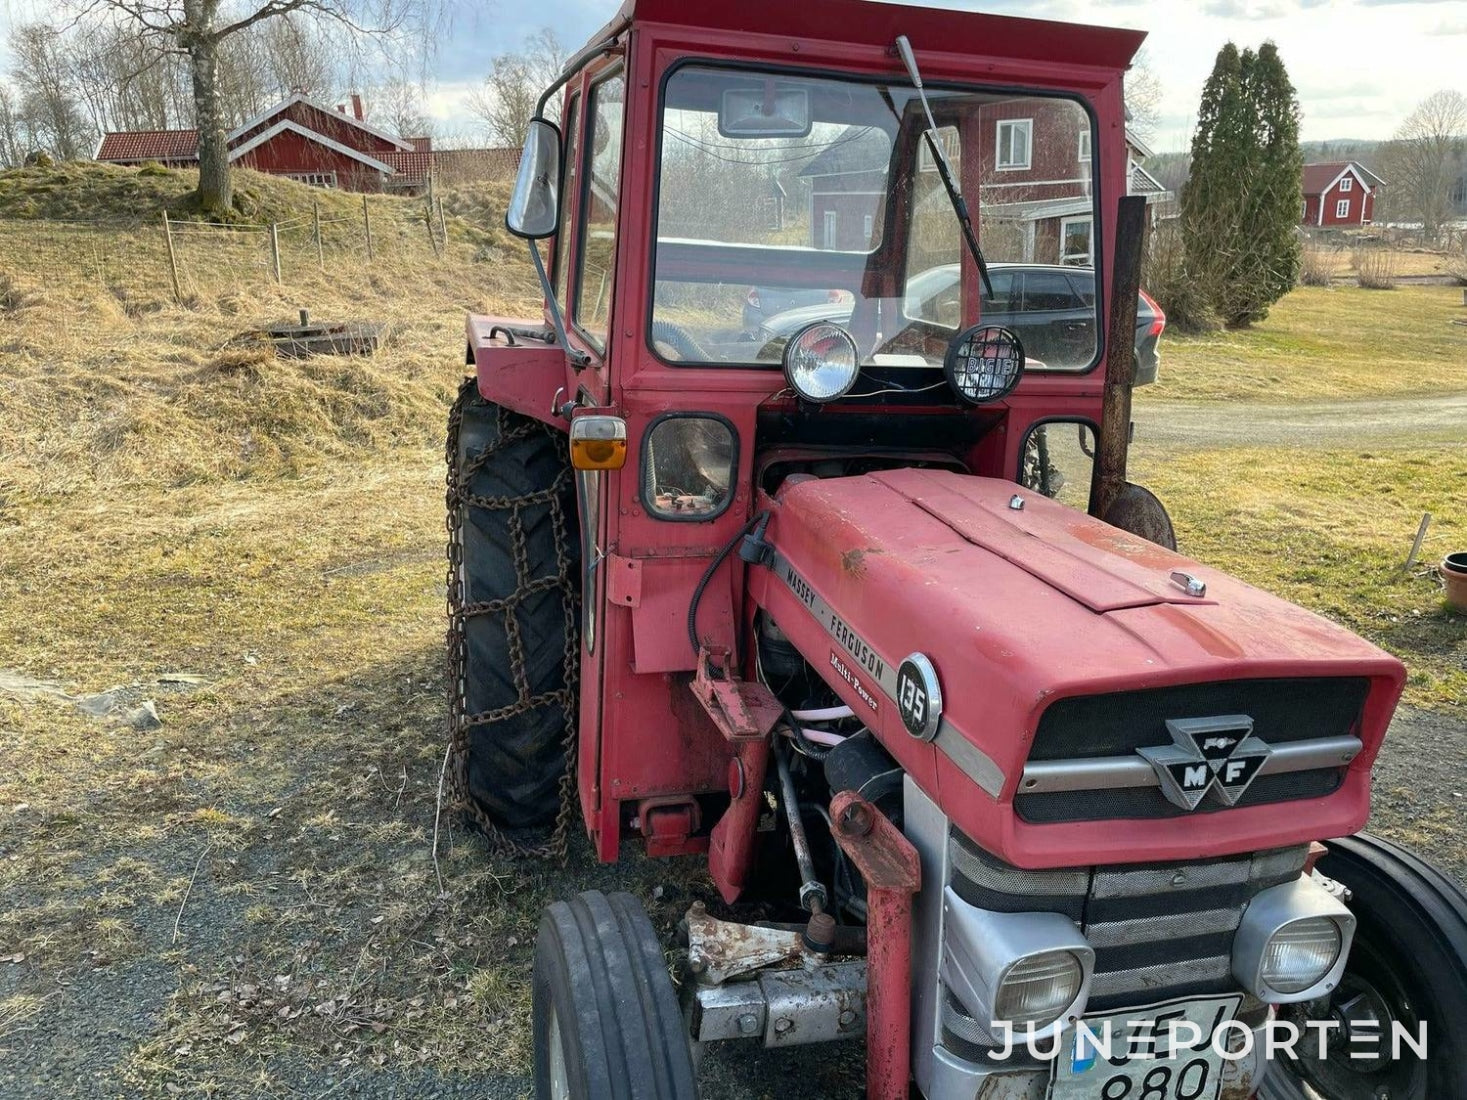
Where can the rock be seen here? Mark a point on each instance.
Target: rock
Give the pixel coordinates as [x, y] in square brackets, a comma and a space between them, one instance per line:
[188, 678]
[144, 717]
[13, 683]
[101, 704]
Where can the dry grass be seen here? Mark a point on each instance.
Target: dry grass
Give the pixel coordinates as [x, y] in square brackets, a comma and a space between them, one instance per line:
[1320, 344]
[1335, 258]
[273, 527]
[1330, 530]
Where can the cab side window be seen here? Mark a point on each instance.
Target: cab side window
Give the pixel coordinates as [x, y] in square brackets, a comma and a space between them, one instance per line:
[572, 174]
[598, 206]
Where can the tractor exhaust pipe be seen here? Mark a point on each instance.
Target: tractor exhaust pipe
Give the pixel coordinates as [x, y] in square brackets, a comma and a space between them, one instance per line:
[1112, 498]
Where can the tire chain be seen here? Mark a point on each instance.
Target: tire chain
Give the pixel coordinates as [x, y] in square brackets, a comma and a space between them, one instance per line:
[460, 722]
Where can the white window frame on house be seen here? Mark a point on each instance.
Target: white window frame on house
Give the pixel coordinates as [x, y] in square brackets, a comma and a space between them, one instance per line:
[1077, 259]
[1085, 145]
[1347, 184]
[829, 227]
[1342, 208]
[1024, 125]
[947, 138]
[325, 180]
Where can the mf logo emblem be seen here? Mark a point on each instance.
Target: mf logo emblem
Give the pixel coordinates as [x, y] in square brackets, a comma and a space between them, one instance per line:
[1208, 754]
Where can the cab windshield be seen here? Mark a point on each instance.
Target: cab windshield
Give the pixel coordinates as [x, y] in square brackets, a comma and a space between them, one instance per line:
[834, 211]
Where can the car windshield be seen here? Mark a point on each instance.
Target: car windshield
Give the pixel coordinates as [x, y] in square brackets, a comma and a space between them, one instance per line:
[785, 199]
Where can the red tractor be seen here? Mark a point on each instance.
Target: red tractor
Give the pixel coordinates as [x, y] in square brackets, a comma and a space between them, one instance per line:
[761, 546]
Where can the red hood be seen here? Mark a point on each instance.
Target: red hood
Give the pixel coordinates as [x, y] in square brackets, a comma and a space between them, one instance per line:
[1019, 607]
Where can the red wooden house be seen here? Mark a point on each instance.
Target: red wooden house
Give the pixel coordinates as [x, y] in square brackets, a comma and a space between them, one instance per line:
[1035, 162]
[1339, 194]
[301, 139]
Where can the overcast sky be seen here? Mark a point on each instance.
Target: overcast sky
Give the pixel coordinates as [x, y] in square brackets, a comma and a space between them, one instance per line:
[1359, 65]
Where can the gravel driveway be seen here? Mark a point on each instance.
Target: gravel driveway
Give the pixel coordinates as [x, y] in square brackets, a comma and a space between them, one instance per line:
[1401, 422]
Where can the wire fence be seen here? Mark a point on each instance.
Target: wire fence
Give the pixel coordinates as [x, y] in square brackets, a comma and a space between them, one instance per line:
[188, 259]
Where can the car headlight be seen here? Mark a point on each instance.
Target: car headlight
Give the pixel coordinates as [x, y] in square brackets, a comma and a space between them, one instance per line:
[820, 362]
[1038, 989]
[984, 363]
[1301, 953]
[1293, 942]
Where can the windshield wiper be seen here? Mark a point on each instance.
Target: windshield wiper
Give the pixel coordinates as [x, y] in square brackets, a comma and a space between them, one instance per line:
[944, 170]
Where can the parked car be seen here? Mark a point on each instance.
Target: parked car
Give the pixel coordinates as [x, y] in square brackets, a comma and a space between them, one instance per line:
[764, 302]
[1050, 308]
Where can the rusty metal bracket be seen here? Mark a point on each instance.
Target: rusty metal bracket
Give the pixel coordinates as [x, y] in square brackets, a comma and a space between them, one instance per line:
[719, 950]
[741, 709]
[889, 865]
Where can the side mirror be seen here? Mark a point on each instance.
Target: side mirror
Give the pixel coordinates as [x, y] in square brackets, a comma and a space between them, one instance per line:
[534, 205]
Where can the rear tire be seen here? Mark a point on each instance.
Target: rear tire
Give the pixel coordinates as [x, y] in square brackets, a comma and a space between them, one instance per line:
[1408, 962]
[607, 1024]
[513, 605]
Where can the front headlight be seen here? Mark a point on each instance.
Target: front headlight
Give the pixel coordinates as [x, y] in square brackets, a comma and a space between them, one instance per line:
[820, 362]
[1301, 953]
[1292, 943]
[1014, 969]
[1038, 989]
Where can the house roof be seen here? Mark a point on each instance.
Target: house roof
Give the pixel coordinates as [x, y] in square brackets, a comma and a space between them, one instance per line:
[149, 145]
[339, 116]
[1144, 183]
[310, 135]
[417, 165]
[858, 149]
[1319, 178]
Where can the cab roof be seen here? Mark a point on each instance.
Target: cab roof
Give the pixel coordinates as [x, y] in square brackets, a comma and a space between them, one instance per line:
[863, 22]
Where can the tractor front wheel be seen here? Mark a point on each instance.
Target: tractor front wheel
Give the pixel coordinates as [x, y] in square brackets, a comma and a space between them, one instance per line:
[1407, 972]
[607, 1024]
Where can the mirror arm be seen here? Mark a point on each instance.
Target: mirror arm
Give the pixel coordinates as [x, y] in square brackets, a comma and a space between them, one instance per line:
[579, 359]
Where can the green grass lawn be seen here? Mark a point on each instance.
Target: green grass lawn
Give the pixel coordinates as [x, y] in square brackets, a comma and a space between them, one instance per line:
[1322, 344]
[1331, 530]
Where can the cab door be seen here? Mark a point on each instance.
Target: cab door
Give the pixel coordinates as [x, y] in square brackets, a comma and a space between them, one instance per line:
[587, 259]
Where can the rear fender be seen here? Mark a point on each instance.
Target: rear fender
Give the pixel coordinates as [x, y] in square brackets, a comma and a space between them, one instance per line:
[520, 373]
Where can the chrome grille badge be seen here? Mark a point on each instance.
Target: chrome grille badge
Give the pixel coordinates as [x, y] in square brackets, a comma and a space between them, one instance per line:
[1208, 754]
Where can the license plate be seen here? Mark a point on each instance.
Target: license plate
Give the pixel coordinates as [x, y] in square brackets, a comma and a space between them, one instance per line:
[1153, 1054]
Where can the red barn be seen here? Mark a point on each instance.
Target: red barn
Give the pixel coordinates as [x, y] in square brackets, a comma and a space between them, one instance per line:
[1339, 194]
[299, 138]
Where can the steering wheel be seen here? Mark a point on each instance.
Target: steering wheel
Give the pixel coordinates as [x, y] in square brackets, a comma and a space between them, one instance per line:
[677, 339]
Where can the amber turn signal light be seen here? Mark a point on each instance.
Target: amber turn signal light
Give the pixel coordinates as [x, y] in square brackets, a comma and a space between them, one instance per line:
[598, 442]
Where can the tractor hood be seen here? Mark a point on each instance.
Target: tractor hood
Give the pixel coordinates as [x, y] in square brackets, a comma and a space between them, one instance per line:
[1019, 603]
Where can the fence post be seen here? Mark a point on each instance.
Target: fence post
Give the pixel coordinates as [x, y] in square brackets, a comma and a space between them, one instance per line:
[367, 222]
[442, 223]
[316, 218]
[172, 258]
[428, 224]
[275, 250]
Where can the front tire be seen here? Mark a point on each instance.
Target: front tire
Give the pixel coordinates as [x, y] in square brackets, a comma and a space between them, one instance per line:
[607, 1024]
[1408, 965]
[514, 646]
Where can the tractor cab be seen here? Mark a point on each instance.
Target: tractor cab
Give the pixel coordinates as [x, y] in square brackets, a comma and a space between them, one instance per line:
[796, 534]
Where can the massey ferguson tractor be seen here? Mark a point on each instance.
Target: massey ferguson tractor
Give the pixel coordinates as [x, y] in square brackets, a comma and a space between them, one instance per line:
[795, 533]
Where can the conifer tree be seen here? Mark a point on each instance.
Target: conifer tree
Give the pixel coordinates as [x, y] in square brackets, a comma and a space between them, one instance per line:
[1241, 203]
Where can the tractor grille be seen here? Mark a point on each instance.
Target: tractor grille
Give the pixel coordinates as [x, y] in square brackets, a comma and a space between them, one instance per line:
[1159, 930]
[1284, 711]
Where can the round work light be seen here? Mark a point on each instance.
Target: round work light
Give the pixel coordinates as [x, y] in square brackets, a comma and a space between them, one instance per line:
[984, 363]
[820, 362]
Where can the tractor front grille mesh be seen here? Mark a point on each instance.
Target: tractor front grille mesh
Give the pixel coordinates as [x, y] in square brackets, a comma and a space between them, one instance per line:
[1159, 930]
[1117, 725]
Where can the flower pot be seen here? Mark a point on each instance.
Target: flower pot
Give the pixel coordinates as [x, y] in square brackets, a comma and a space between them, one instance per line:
[1454, 576]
